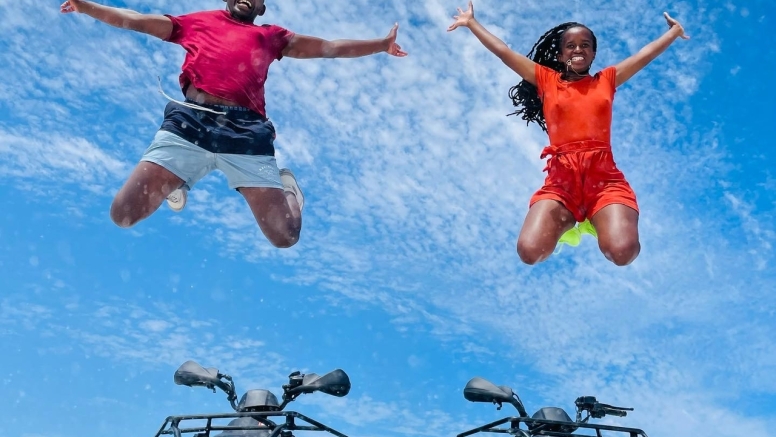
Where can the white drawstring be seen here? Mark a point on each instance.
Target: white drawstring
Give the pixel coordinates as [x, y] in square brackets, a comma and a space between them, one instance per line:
[187, 104]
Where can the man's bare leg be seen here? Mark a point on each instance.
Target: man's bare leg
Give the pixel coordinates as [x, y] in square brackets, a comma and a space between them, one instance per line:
[143, 193]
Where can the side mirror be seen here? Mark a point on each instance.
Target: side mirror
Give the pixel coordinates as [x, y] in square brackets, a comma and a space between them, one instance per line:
[191, 374]
[335, 383]
[481, 390]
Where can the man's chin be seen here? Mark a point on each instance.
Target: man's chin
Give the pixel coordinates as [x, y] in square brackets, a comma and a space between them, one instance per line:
[242, 16]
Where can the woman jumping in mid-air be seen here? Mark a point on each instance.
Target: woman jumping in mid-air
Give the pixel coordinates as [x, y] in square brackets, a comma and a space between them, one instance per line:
[583, 183]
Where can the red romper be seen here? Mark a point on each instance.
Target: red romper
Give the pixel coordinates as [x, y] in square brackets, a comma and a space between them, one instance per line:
[581, 173]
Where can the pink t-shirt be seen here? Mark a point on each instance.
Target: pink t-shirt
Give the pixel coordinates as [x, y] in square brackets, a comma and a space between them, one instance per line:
[227, 58]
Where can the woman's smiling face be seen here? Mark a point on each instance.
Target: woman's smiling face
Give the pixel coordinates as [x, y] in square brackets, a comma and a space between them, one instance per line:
[577, 50]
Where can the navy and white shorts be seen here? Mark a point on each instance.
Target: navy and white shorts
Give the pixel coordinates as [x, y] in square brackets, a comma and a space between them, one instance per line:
[193, 142]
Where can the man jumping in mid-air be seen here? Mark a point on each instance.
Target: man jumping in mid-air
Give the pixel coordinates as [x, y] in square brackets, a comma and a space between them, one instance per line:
[222, 124]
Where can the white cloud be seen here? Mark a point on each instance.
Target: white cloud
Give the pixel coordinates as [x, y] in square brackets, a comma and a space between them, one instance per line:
[61, 159]
[151, 337]
[372, 417]
[22, 314]
[760, 236]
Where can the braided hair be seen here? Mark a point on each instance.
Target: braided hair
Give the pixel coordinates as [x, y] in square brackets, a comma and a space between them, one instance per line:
[545, 52]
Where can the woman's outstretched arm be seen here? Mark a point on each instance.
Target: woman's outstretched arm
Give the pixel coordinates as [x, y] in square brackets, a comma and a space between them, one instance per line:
[632, 65]
[520, 64]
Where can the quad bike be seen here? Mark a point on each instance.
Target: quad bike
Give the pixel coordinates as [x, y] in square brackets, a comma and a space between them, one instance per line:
[548, 421]
[258, 413]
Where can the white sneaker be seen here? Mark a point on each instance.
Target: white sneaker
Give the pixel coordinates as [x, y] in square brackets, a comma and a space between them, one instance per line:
[289, 185]
[177, 199]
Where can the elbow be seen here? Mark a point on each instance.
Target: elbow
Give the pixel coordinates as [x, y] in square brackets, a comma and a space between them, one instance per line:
[503, 57]
[130, 22]
[329, 49]
[502, 51]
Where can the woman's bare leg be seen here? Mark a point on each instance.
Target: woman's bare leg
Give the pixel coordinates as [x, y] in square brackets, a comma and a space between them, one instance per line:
[618, 233]
[544, 224]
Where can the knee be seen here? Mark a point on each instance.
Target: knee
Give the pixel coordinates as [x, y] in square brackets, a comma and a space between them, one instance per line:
[530, 252]
[283, 243]
[286, 239]
[121, 214]
[622, 252]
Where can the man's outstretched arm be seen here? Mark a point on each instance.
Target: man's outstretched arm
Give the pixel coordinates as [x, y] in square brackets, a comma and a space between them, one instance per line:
[151, 24]
[306, 47]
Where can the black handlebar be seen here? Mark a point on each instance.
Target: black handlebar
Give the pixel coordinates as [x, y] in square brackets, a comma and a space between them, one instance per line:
[614, 412]
[228, 388]
[596, 409]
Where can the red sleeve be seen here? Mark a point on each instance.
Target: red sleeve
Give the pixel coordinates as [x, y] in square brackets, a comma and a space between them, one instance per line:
[279, 39]
[178, 28]
[544, 77]
[608, 75]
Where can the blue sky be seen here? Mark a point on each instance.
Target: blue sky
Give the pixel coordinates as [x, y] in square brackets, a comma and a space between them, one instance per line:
[406, 275]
